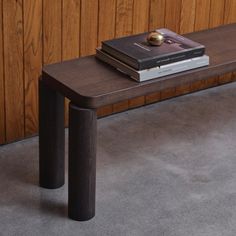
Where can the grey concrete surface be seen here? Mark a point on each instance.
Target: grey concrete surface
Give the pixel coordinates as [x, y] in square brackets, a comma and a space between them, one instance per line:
[167, 169]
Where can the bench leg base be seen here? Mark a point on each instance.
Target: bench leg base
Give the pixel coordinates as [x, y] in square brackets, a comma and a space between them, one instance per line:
[51, 138]
[82, 163]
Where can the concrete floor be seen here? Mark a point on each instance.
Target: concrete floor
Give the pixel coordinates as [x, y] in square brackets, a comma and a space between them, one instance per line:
[166, 169]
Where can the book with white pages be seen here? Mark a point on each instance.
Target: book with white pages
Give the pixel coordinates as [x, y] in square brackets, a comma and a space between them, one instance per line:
[155, 72]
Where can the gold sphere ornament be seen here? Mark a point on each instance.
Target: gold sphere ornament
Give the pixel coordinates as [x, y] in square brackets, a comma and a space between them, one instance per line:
[155, 38]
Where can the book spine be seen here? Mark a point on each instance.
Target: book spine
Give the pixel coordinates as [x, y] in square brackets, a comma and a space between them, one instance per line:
[147, 64]
[120, 56]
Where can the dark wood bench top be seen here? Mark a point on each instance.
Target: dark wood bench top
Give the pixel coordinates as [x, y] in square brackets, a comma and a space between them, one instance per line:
[91, 83]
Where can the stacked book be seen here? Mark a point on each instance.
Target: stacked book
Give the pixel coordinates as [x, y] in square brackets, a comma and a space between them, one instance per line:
[134, 56]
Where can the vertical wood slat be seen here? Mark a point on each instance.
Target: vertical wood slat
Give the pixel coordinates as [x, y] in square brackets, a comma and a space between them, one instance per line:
[70, 36]
[2, 92]
[187, 16]
[106, 30]
[124, 17]
[230, 9]
[216, 13]
[157, 14]
[140, 16]
[70, 29]
[202, 14]
[106, 20]
[124, 26]
[52, 31]
[13, 67]
[89, 27]
[172, 15]
[32, 62]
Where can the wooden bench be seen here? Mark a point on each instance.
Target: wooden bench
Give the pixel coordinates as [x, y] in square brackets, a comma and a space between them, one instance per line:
[90, 84]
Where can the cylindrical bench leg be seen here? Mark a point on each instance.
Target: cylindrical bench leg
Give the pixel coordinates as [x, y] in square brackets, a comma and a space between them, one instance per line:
[51, 137]
[82, 163]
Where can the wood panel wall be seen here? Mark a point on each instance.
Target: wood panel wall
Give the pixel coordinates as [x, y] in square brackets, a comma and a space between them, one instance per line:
[37, 32]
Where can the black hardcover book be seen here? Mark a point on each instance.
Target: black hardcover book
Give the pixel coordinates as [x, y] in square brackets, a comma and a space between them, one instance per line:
[137, 53]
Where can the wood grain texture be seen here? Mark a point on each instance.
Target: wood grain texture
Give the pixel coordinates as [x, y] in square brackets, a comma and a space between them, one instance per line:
[216, 13]
[187, 16]
[2, 92]
[202, 14]
[124, 26]
[124, 17]
[230, 9]
[223, 79]
[137, 102]
[172, 15]
[13, 67]
[104, 111]
[89, 27]
[52, 31]
[197, 85]
[168, 93]
[140, 16]
[70, 36]
[107, 20]
[120, 106]
[157, 14]
[153, 97]
[70, 29]
[211, 82]
[32, 62]
[182, 89]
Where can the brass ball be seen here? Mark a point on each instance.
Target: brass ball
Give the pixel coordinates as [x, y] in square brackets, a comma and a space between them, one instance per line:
[155, 38]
